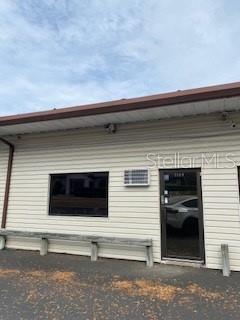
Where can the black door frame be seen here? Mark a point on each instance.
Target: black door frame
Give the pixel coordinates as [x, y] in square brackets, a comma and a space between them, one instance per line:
[163, 216]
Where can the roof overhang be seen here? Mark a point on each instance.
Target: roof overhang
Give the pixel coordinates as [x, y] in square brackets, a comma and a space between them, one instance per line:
[205, 100]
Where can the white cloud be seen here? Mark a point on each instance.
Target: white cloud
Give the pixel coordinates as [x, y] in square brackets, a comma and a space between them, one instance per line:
[57, 53]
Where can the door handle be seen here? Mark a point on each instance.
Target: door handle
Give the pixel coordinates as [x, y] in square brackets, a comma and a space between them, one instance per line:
[162, 199]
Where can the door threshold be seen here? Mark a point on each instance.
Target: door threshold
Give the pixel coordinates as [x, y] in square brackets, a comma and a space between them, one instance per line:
[183, 262]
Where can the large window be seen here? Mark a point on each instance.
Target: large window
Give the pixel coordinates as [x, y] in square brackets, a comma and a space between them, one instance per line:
[79, 194]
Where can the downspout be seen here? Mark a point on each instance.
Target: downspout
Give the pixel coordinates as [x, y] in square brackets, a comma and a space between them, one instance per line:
[8, 181]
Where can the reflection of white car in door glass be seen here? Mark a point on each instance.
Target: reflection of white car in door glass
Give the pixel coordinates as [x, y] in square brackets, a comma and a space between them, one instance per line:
[182, 213]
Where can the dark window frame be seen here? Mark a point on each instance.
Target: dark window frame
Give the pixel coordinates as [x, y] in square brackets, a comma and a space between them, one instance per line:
[238, 174]
[50, 213]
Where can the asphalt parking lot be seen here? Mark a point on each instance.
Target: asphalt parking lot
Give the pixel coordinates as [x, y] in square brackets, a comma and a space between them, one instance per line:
[69, 287]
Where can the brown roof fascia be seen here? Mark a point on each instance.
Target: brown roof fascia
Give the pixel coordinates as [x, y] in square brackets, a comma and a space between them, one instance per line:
[159, 100]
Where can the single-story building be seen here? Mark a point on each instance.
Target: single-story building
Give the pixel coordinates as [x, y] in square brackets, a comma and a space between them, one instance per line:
[163, 167]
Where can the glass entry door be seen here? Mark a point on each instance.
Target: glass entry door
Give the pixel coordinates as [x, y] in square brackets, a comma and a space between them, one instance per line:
[181, 214]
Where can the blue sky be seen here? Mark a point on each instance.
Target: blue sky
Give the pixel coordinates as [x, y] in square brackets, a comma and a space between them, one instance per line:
[56, 53]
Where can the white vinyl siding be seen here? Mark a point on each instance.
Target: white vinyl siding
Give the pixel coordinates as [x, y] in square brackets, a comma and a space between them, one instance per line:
[135, 211]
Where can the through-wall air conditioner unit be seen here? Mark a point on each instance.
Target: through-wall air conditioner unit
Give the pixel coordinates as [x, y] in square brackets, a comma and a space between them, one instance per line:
[136, 177]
